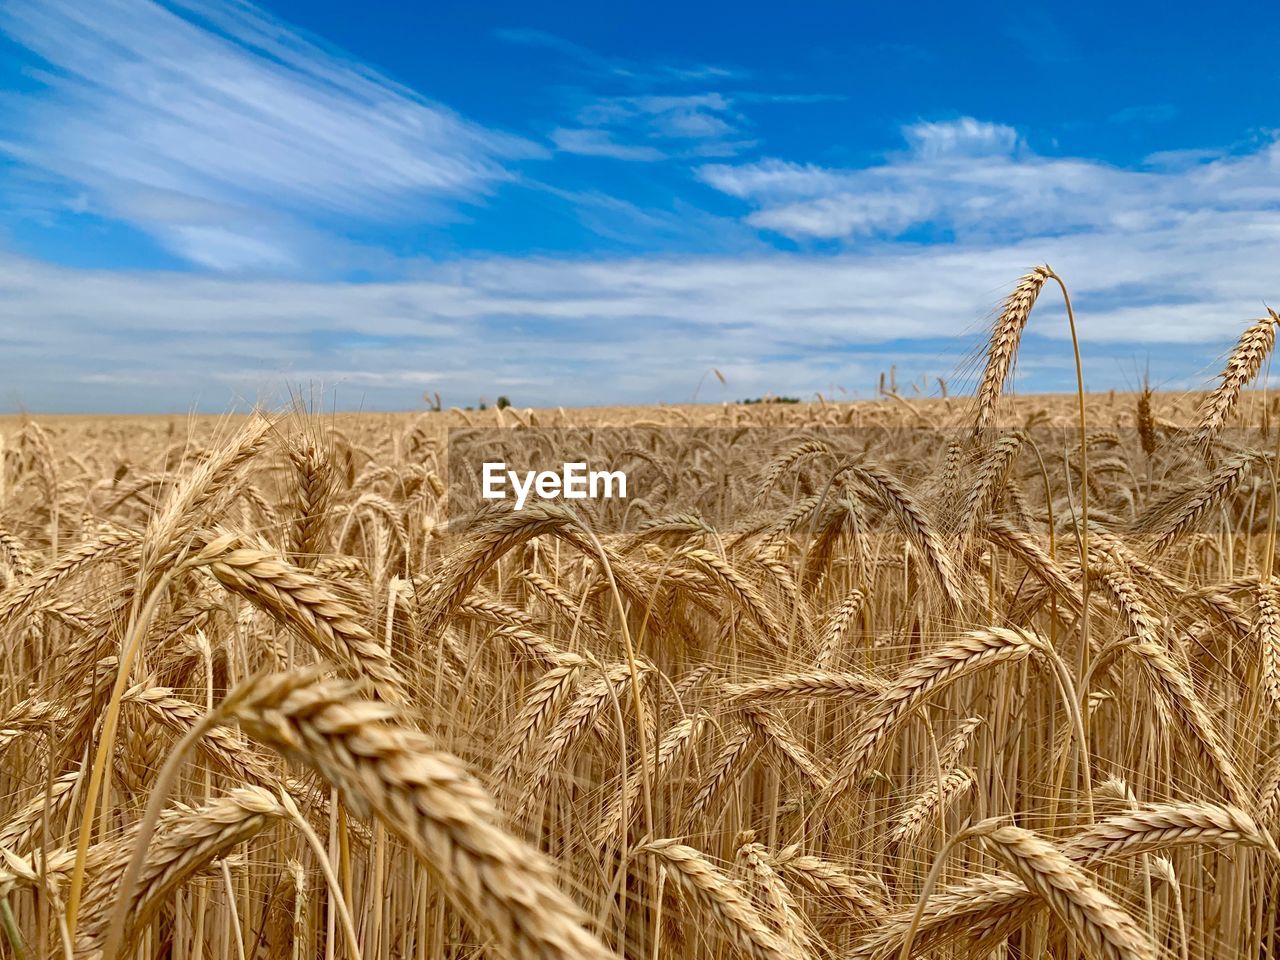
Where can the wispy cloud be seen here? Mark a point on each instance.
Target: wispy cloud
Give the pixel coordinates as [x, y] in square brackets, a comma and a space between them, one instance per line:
[653, 127]
[223, 133]
[649, 111]
[979, 181]
[959, 139]
[589, 142]
[621, 68]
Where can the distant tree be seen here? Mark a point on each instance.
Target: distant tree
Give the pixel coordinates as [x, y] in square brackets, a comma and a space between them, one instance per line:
[503, 403]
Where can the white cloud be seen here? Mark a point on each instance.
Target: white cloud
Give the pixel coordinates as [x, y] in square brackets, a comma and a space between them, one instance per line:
[641, 74]
[631, 330]
[598, 143]
[221, 248]
[848, 214]
[192, 120]
[653, 127]
[965, 137]
[691, 124]
[980, 182]
[771, 180]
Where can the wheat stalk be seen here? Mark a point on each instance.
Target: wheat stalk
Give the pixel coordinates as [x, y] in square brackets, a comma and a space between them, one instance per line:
[817, 684]
[1002, 346]
[780, 908]
[938, 795]
[959, 658]
[1250, 352]
[1158, 826]
[669, 749]
[1103, 926]
[185, 842]
[301, 600]
[721, 899]
[1267, 596]
[426, 798]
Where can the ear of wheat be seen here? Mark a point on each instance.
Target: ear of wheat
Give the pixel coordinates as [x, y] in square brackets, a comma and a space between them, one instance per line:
[1252, 350]
[964, 656]
[430, 802]
[1002, 347]
[721, 899]
[1157, 826]
[1088, 912]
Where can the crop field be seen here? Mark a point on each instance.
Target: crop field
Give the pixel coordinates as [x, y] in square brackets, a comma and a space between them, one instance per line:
[982, 676]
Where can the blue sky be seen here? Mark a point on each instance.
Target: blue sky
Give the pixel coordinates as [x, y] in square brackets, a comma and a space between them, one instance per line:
[203, 203]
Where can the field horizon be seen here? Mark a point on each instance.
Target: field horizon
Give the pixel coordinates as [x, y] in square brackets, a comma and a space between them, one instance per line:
[1113, 404]
[955, 678]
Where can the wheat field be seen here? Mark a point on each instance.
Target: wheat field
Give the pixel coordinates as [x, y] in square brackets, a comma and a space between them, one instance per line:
[965, 677]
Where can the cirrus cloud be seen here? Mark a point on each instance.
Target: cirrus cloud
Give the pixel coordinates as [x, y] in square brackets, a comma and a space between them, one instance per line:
[225, 134]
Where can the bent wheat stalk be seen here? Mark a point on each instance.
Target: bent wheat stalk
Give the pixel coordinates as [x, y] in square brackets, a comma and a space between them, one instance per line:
[1104, 927]
[185, 842]
[1154, 827]
[1250, 352]
[720, 898]
[959, 658]
[817, 685]
[1002, 348]
[302, 600]
[426, 798]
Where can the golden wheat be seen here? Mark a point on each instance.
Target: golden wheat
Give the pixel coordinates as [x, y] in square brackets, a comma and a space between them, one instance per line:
[261, 677]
